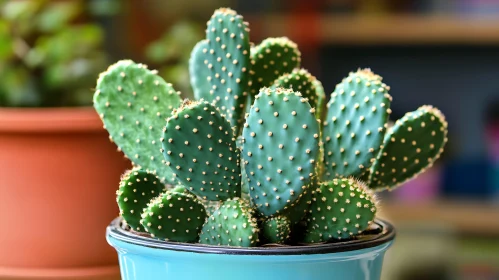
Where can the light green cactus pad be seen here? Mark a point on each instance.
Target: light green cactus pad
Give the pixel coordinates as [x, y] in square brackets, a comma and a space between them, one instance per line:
[341, 208]
[272, 58]
[137, 188]
[410, 147]
[355, 125]
[234, 223]
[174, 216]
[199, 145]
[276, 229]
[133, 103]
[281, 140]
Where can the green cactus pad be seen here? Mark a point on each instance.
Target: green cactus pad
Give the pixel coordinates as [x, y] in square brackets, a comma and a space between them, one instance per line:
[199, 145]
[199, 72]
[276, 229]
[410, 147]
[281, 138]
[298, 209]
[133, 103]
[137, 188]
[272, 58]
[341, 208]
[302, 81]
[232, 224]
[355, 124]
[174, 216]
[227, 57]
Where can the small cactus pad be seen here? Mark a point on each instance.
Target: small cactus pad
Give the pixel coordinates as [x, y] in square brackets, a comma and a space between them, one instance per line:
[298, 209]
[410, 147]
[227, 57]
[355, 124]
[137, 188]
[199, 145]
[276, 229]
[133, 103]
[300, 80]
[232, 224]
[198, 71]
[272, 58]
[174, 216]
[281, 139]
[340, 209]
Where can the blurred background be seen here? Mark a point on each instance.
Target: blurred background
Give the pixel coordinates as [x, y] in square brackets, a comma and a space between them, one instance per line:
[439, 52]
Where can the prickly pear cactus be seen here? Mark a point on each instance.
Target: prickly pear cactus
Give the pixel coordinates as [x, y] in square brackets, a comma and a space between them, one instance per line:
[340, 209]
[302, 81]
[199, 145]
[137, 188]
[133, 103]
[281, 139]
[227, 57]
[233, 224]
[355, 124]
[272, 58]
[276, 229]
[410, 147]
[174, 216]
[199, 71]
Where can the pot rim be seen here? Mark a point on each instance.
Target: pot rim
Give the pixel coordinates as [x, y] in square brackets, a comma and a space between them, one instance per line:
[114, 230]
[56, 119]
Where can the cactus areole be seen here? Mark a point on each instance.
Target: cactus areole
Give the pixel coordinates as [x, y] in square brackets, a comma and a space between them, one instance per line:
[250, 163]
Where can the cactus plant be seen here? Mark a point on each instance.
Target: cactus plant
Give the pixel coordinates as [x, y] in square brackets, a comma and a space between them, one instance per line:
[285, 179]
[137, 188]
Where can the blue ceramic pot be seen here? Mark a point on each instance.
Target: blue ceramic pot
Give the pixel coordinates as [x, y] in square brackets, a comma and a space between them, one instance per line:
[144, 258]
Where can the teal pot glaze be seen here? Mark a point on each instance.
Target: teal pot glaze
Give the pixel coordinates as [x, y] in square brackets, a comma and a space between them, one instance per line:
[145, 258]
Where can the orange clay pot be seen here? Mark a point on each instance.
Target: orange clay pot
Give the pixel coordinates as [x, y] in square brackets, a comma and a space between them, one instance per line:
[58, 177]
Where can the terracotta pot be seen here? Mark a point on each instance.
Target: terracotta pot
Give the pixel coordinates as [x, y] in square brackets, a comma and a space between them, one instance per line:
[58, 177]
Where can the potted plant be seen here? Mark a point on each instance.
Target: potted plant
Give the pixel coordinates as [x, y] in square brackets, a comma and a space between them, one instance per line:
[221, 190]
[57, 165]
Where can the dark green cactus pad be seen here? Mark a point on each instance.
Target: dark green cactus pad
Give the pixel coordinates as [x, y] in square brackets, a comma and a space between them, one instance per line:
[302, 81]
[174, 216]
[341, 208]
[276, 230]
[227, 57]
[199, 72]
[281, 138]
[133, 103]
[234, 223]
[411, 146]
[299, 208]
[137, 188]
[199, 145]
[355, 125]
[272, 58]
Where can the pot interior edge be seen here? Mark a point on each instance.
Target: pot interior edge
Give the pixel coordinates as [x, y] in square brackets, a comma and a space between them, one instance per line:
[114, 230]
